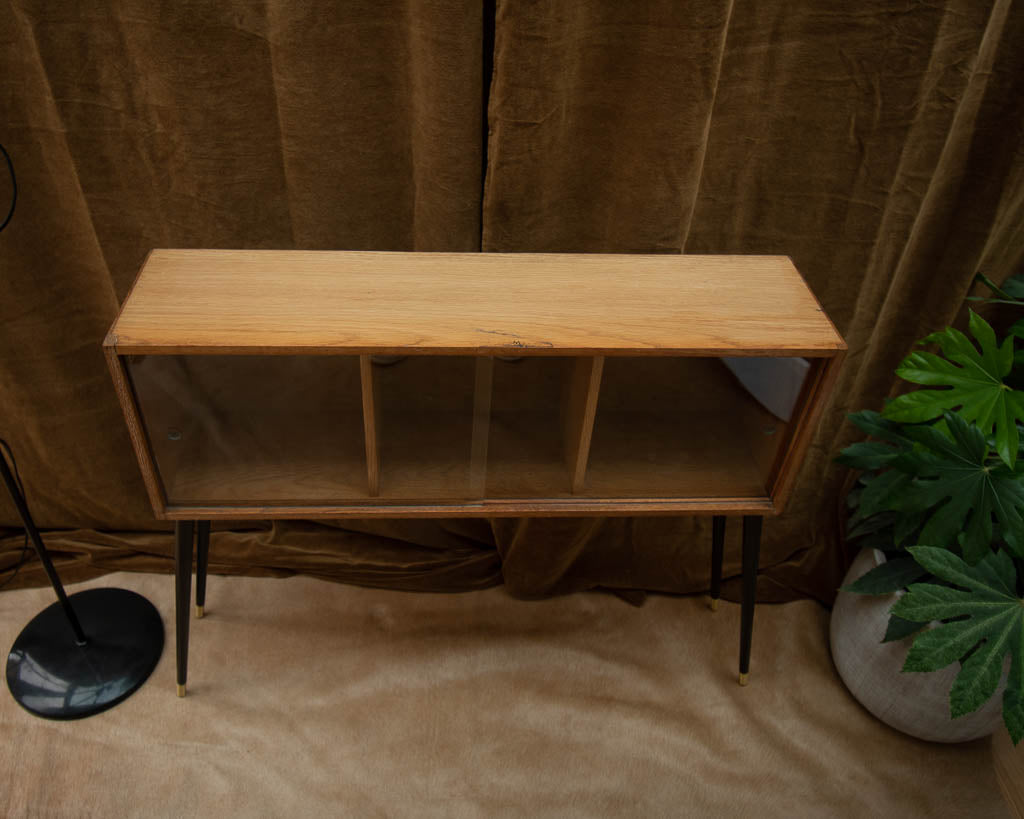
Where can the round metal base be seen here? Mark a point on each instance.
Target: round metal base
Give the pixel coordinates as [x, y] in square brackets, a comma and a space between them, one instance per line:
[52, 677]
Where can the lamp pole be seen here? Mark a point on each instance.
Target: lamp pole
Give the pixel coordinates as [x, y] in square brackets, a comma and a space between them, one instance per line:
[44, 555]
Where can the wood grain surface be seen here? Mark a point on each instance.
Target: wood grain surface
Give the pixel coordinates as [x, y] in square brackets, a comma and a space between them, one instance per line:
[534, 508]
[269, 301]
[604, 394]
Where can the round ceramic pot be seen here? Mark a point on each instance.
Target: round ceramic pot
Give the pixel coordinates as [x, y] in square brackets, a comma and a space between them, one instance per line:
[914, 703]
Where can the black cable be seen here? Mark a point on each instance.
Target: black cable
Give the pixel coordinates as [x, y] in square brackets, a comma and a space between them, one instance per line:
[21, 488]
[8, 454]
[6, 447]
[14, 190]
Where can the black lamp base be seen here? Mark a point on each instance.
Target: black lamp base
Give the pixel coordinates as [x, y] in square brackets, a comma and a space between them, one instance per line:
[52, 677]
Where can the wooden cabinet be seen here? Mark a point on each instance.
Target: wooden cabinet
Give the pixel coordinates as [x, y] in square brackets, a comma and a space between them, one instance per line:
[265, 383]
[284, 384]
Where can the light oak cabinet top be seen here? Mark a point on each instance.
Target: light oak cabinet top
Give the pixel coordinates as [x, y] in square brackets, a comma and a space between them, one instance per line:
[233, 301]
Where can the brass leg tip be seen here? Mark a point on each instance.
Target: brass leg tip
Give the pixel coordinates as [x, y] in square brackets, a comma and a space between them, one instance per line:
[744, 678]
[713, 602]
[199, 612]
[181, 691]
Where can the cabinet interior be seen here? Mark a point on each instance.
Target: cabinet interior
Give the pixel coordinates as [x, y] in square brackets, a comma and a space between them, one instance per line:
[288, 430]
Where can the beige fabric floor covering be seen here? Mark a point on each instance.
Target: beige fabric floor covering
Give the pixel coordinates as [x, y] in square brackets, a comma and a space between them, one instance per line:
[314, 699]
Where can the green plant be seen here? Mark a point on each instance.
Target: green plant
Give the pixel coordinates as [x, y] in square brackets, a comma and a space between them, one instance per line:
[971, 381]
[982, 615]
[941, 493]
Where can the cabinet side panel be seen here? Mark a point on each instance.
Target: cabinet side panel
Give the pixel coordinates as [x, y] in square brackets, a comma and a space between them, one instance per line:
[140, 443]
[816, 390]
[370, 426]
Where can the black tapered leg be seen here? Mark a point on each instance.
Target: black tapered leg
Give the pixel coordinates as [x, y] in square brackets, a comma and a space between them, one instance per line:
[202, 560]
[183, 537]
[717, 550]
[751, 552]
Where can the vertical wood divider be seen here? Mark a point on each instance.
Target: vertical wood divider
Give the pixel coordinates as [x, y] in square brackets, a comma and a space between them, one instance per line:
[580, 409]
[370, 426]
[481, 425]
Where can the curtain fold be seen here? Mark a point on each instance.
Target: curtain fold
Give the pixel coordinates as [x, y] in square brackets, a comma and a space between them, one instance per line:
[136, 125]
[879, 145]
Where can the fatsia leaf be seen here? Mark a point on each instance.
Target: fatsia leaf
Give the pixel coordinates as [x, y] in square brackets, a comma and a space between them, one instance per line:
[988, 624]
[956, 489]
[906, 525]
[971, 381]
[900, 629]
[981, 278]
[1013, 714]
[1013, 697]
[1014, 287]
[881, 493]
[881, 540]
[860, 525]
[868, 455]
[1011, 291]
[980, 674]
[875, 425]
[887, 577]
[996, 574]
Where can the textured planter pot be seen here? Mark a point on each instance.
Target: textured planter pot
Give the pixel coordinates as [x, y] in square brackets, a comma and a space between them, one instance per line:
[914, 703]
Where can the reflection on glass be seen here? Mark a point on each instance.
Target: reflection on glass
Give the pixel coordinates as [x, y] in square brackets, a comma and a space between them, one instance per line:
[528, 452]
[280, 430]
[689, 427]
[253, 429]
[425, 427]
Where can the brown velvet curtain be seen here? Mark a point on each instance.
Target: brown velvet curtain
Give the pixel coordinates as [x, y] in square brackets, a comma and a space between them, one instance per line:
[879, 144]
